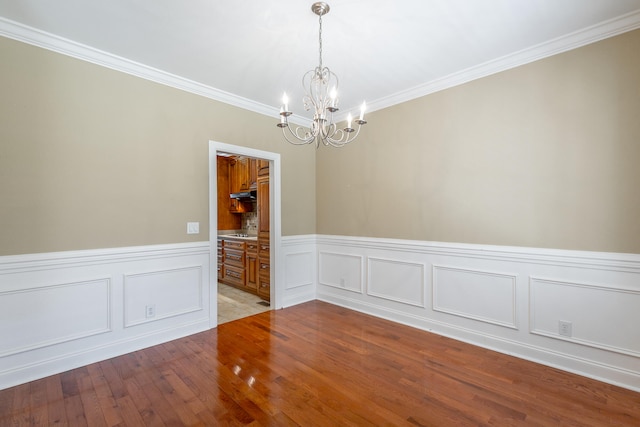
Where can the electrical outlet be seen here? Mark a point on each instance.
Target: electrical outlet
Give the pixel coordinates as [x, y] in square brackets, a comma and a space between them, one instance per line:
[342, 282]
[150, 311]
[564, 328]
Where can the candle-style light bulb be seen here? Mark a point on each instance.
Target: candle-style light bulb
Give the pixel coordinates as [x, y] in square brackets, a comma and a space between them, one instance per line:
[364, 107]
[285, 101]
[349, 120]
[333, 95]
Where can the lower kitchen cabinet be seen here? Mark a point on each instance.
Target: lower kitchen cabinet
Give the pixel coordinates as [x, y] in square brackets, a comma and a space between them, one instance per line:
[233, 263]
[251, 269]
[234, 276]
[220, 269]
[264, 270]
[238, 264]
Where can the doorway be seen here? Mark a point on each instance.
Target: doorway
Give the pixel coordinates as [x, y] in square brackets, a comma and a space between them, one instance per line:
[270, 251]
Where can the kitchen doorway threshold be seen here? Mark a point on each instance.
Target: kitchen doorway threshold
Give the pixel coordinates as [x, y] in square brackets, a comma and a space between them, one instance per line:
[234, 304]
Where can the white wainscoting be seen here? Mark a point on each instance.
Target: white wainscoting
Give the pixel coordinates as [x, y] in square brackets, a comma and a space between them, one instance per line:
[62, 310]
[475, 294]
[553, 301]
[342, 271]
[396, 280]
[503, 298]
[52, 315]
[299, 253]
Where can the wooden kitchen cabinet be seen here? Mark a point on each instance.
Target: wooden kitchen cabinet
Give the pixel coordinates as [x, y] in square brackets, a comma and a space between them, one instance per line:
[253, 173]
[233, 263]
[243, 174]
[263, 167]
[227, 219]
[234, 172]
[251, 270]
[242, 178]
[220, 260]
[264, 267]
[264, 247]
[239, 266]
[263, 207]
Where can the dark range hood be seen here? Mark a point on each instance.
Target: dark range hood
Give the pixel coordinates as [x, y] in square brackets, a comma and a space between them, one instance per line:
[244, 195]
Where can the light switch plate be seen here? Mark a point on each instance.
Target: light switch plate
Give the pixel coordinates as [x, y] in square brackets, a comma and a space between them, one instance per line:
[193, 228]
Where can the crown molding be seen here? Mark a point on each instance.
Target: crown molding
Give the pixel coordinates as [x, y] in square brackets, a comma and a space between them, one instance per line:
[606, 29]
[595, 33]
[45, 40]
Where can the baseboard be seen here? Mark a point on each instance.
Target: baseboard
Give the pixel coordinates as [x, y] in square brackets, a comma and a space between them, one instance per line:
[64, 362]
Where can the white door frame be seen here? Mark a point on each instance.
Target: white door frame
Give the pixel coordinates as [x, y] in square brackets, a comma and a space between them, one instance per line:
[275, 228]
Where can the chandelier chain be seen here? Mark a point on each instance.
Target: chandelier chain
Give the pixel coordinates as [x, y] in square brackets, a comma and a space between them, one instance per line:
[320, 40]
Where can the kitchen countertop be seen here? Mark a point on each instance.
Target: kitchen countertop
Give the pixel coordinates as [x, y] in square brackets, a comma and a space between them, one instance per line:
[233, 236]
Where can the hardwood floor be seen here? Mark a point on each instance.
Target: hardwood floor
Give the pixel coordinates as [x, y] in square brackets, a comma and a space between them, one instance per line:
[317, 364]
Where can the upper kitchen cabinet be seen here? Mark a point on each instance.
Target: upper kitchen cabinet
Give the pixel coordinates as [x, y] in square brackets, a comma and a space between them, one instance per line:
[263, 167]
[227, 220]
[253, 173]
[242, 179]
[244, 174]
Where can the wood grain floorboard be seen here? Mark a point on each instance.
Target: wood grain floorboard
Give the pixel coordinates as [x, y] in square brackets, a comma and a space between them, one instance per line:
[317, 364]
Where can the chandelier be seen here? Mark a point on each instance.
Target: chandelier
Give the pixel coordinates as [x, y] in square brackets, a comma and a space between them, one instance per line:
[321, 96]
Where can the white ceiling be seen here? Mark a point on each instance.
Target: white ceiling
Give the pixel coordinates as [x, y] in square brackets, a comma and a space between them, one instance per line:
[247, 52]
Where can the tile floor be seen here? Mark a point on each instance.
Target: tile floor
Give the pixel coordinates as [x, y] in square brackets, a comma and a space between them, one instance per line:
[235, 304]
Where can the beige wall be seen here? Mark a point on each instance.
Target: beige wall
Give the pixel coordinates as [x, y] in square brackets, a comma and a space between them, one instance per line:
[544, 155]
[94, 158]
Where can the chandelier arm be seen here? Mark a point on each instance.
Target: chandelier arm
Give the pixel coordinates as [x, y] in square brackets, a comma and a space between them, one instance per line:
[298, 140]
[345, 137]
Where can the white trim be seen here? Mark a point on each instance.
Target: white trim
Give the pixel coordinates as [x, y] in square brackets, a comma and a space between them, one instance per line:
[601, 31]
[298, 292]
[277, 270]
[423, 271]
[513, 324]
[610, 261]
[35, 345]
[17, 31]
[583, 37]
[49, 260]
[607, 288]
[127, 278]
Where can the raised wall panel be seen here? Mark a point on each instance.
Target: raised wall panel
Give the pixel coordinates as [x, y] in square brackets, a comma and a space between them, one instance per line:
[42, 316]
[170, 292]
[396, 280]
[62, 310]
[342, 271]
[298, 269]
[601, 316]
[475, 294]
